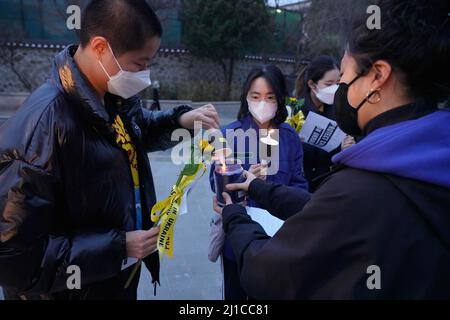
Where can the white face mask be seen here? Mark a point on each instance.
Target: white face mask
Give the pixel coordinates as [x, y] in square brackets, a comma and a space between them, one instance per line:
[326, 95]
[262, 111]
[125, 83]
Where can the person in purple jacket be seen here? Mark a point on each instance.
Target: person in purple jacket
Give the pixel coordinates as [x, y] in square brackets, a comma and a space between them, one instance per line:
[262, 108]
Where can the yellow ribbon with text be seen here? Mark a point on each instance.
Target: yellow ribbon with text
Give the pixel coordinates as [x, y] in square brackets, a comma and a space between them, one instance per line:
[165, 212]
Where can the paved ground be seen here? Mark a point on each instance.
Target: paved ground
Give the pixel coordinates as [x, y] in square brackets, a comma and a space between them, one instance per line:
[189, 275]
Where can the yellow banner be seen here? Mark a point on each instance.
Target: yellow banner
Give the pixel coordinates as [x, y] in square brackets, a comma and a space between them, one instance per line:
[165, 212]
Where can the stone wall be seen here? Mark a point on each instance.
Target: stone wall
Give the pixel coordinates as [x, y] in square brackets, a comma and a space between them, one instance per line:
[23, 67]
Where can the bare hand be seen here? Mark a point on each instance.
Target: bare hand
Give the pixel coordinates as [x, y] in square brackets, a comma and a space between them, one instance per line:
[216, 206]
[244, 185]
[207, 115]
[142, 243]
[348, 142]
[259, 170]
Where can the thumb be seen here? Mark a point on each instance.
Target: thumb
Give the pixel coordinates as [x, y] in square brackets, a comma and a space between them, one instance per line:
[153, 232]
[227, 198]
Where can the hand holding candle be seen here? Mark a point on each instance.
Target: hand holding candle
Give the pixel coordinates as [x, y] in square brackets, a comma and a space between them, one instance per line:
[260, 169]
[234, 187]
[228, 172]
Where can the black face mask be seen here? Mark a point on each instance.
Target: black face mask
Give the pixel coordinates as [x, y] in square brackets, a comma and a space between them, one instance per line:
[346, 115]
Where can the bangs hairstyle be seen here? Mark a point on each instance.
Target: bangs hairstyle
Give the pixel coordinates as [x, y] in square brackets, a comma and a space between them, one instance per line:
[277, 82]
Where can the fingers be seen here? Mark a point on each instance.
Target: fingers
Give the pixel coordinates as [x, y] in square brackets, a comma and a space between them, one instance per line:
[235, 186]
[212, 114]
[209, 106]
[256, 171]
[227, 198]
[216, 206]
[264, 163]
[152, 232]
[249, 175]
[208, 122]
[151, 241]
[150, 245]
[254, 167]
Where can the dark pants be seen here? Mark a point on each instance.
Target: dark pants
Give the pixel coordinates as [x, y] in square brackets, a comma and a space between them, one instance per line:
[112, 289]
[232, 283]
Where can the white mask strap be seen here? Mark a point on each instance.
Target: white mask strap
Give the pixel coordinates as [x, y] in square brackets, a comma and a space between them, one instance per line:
[110, 49]
[103, 67]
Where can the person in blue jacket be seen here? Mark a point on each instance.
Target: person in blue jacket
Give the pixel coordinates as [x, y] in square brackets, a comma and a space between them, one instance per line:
[262, 108]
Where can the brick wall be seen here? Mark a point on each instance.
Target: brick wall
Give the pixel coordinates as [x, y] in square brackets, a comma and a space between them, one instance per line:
[181, 76]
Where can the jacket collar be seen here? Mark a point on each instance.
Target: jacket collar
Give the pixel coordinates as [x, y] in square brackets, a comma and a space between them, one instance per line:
[406, 112]
[69, 79]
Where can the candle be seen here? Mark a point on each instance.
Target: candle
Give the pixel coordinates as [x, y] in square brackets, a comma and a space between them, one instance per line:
[220, 155]
[227, 172]
[269, 142]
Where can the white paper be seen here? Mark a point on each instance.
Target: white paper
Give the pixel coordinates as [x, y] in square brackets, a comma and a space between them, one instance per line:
[183, 206]
[128, 263]
[322, 132]
[269, 223]
[184, 199]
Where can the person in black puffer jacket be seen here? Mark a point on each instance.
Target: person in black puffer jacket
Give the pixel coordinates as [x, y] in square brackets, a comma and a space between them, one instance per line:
[68, 172]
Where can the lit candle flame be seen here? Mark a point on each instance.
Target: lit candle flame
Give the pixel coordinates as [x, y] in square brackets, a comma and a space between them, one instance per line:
[223, 164]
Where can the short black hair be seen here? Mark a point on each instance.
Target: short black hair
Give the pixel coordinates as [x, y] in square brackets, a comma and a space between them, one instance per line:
[414, 39]
[126, 24]
[315, 71]
[277, 81]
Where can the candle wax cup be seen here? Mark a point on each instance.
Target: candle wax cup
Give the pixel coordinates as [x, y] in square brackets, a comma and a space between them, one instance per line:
[223, 175]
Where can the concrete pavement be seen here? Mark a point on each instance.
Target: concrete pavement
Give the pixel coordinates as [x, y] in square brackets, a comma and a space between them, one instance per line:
[189, 275]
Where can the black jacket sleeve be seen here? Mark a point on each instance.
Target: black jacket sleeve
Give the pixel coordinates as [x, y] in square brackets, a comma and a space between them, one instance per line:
[34, 254]
[158, 126]
[280, 200]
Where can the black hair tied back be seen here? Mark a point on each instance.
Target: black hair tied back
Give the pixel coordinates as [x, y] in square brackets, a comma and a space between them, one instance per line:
[415, 39]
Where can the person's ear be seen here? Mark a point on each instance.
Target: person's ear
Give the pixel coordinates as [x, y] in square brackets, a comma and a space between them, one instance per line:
[312, 85]
[99, 46]
[381, 72]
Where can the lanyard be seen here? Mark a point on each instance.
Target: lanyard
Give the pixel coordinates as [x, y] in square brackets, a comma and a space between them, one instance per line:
[123, 139]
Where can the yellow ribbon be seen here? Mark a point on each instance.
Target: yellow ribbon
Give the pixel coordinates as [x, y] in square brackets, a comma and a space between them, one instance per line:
[166, 212]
